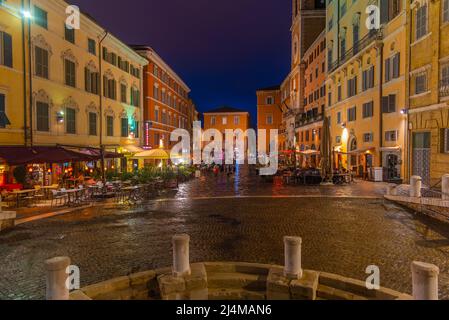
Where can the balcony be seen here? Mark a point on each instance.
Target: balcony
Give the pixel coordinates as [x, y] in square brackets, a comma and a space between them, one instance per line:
[303, 119]
[444, 88]
[358, 47]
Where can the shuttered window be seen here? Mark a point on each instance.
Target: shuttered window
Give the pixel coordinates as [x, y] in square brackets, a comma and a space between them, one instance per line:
[368, 109]
[4, 121]
[42, 117]
[446, 10]
[110, 126]
[5, 49]
[124, 127]
[70, 120]
[92, 124]
[389, 104]
[368, 79]
[92, 81]
[70, 73]
[352, 114]
[41, 62]
[445, 140]
[421, 22]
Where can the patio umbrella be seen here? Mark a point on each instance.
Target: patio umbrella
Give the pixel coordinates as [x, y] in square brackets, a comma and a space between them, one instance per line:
[326, 150]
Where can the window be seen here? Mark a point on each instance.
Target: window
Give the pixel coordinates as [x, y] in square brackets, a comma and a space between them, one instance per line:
[69, 33]
[92, 81]
[446, 10]
[368, 79]
[92, 46]
[445, 140]
[110, 126]
[70, 120]
[225, 120]
[40, 17]
[392, 67]
[42, 117]
[270, 100]
[5, 49]
[391, 136]
[135, 129]
[109, 88]
[421, 22]
[157, 139]
[213, 120]
[339, 92]
[338, 139]
[352, 114]
[70, 73]
[269, 119]
[389, 104]
[342, 46]
[338, 117]
[92, 124]
[123, 91]
[156, 115]
[329, 99]
[135, 97]
[4, 121]
[124, 127]
[307, 135]
[352, 87]
[368, 109]
[41, 62]
[368, 137]
[421, 83]
[236, 120]
[156, 92]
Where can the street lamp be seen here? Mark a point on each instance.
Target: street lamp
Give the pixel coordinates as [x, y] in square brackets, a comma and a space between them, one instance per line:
[27, 14]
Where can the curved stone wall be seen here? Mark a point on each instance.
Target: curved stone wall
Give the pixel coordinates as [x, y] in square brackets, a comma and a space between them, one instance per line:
[233, 281]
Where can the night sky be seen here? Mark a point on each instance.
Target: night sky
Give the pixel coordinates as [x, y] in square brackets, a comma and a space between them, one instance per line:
[223, 50]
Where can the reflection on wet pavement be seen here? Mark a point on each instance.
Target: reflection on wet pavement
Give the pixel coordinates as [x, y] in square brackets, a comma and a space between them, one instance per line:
[340, 235]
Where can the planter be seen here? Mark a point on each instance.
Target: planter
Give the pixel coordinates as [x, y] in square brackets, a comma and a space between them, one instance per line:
[7, 220]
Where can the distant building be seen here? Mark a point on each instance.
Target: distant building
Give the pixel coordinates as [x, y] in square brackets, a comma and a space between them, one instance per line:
[167, 105]
[269, 112]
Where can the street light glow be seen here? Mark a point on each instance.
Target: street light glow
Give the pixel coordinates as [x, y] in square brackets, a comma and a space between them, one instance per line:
[27, 14]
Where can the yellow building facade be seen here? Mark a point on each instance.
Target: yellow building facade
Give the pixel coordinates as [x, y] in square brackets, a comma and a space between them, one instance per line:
[77, 87]
[366, 86]
[429, 90]
[13, 78]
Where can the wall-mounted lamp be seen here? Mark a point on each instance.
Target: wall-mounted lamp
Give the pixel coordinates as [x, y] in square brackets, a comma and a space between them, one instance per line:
[343, 125]
[27, 14]
[404, 111]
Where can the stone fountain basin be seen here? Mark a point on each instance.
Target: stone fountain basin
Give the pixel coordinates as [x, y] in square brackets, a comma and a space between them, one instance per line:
[233, 281]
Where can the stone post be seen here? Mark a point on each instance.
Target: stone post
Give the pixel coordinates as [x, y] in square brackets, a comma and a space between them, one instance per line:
[392, 190]
[425, 281]
[56, 278]
[415, 187]
[181, 259]
[292, 251]
[445, 187]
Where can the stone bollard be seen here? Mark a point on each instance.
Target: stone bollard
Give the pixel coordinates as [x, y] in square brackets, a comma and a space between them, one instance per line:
[415, 187]
[392, 190]
[197, 174]
[445, 187]
[425, 281]
[181, 259]
[292, 251]
[56, 278]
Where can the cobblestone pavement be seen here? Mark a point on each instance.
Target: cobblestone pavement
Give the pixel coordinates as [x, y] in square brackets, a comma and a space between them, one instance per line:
[340, 235]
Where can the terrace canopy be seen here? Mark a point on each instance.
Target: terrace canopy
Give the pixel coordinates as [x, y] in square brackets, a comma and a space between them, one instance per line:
[155, 154]
[18, 155]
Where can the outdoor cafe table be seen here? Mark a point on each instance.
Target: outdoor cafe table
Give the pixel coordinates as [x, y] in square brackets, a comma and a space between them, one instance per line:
[72, 195]
[18, 193]
[47, 189]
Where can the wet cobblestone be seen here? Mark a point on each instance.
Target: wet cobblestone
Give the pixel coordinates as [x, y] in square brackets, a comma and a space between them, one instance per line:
[342, 236]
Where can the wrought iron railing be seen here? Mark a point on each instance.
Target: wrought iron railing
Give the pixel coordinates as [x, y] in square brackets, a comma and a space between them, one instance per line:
[358, 46]
[444, 88]
[302, 120]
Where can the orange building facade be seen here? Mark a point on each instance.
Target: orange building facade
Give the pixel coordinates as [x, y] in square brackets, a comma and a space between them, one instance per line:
[167, 105]
[309, 123]
[227, 118]
[269, 112]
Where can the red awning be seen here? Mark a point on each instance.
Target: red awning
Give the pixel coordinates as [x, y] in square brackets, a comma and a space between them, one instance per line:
[15, 155]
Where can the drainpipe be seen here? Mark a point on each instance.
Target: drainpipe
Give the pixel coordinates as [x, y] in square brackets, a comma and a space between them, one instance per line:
[30, 77]
[407, 133]
[381, 119]
[100, 75]
[25, 118]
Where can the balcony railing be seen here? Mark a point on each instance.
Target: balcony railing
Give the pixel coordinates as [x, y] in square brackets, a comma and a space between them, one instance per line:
[304, 120]
[444, 88]
[359, 46]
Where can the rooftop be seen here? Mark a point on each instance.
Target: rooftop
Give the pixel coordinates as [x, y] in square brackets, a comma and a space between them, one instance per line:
[226, 109]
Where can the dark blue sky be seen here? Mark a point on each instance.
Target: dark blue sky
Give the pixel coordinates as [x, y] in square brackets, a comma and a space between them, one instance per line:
[224, 50]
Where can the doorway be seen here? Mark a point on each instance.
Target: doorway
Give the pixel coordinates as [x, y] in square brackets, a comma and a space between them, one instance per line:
[421, 156]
